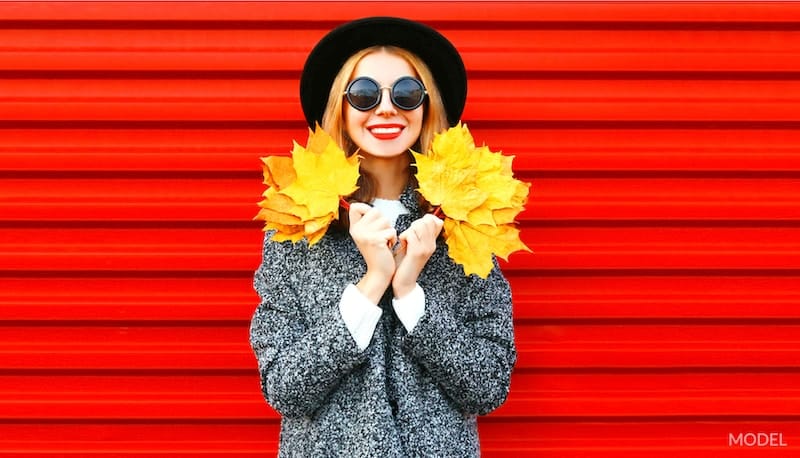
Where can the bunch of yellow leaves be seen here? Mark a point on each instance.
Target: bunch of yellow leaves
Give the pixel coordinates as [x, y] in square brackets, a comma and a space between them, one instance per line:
[479, 196]
[303, 192]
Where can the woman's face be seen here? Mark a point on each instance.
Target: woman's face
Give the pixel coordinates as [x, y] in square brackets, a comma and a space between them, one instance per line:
[384, 131]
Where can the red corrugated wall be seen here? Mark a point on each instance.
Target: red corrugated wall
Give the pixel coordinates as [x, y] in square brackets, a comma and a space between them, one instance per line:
[658, 315]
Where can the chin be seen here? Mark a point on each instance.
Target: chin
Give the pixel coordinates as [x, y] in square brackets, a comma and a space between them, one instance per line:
[386, 150]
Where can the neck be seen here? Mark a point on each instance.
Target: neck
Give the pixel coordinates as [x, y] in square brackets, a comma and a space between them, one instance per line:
[390, 174]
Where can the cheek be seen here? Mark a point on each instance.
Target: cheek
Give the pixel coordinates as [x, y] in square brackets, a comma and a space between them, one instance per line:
[415, 121]
[353, 120]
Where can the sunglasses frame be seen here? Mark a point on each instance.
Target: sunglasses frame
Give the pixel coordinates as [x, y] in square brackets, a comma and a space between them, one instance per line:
[380, 93]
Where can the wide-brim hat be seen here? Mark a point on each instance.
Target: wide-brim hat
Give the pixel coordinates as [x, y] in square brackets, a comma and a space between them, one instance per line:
[333, 50]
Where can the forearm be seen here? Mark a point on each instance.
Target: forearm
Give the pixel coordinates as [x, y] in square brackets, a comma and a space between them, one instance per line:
[465, 340]
[302, 373]
[472, 367]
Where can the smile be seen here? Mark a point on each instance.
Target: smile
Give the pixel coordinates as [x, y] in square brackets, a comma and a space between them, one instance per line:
[386, 132]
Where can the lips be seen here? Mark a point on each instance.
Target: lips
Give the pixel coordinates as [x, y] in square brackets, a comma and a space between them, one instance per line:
[386, 131]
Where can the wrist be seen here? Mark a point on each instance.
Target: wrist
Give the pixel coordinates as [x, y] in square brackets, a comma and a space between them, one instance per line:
[373, 286]
[402, 289]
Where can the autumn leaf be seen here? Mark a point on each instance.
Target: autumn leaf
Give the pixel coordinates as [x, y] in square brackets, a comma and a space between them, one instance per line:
[278, 172]
[473, 246]
[476, 190]
[303, 192]
[324, 174]
[440, 173]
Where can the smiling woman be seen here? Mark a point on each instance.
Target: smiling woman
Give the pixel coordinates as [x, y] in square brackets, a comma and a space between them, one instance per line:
[373, 342]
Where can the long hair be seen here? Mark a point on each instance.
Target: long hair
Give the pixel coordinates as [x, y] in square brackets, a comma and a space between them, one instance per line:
[434, 118]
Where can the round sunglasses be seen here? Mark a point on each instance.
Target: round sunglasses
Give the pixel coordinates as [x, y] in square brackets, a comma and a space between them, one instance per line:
[365, 93]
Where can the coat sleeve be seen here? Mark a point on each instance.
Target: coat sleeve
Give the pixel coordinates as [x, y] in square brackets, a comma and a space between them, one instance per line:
[470, 353]
[299, 362]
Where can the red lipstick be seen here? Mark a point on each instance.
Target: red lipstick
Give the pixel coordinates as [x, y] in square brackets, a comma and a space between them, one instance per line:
[386, 131]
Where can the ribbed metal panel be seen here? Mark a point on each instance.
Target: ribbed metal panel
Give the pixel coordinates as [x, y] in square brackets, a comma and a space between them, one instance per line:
[657, 316]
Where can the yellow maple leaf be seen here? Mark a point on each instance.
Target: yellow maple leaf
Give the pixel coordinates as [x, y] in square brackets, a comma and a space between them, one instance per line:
[507, 214]
[278, 171]
[476, 190]
[446, 167]
[303, 192]
[324, 174]
[284, 232]
[276, 202]
[473, 246]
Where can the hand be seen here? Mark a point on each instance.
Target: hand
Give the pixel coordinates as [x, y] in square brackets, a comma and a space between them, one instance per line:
[374, 237]
[417, 244]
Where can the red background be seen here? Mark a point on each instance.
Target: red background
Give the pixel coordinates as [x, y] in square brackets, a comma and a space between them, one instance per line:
[657, 315]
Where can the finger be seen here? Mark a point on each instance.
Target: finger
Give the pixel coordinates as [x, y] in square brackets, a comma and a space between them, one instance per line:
[375, 220]
[433, 225]
[433, 219]
[367, 218]
[404, 235]
[422, 230]
[357, 211]
[388, 234]
[388, 237]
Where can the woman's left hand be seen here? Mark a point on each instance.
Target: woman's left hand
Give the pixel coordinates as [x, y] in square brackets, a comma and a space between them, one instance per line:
[417, 244]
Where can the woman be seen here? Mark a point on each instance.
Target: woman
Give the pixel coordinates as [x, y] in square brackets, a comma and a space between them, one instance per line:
[373, 342]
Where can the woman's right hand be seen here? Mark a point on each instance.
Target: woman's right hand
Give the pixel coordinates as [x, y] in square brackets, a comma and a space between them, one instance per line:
[374, 237]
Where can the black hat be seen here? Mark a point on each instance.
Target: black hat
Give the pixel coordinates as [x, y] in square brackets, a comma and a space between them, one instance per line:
[333, 50]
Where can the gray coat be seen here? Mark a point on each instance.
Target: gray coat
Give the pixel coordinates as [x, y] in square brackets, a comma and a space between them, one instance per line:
[406, 395]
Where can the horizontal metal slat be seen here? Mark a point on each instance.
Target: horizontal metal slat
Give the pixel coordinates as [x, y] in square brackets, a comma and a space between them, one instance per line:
[221, 439]
[547, 346]
[234, 200]
[522, 49]
[254, 100]
[501, 11]
[214, 149]
[663, 199]
[182, 199]
[236, 250]
[632, 439]
[663, 248]
[700, 394]
[92, 299]
[155, 299]
[130, 250]
[209, 348]
[233, 398]
[499, 438]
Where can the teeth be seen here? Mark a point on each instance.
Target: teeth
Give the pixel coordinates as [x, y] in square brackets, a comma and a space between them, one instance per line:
[385, 130]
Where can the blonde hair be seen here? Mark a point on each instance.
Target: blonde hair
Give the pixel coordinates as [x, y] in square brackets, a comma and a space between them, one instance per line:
[434, 116]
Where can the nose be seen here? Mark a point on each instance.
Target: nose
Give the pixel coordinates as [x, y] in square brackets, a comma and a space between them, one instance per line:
[386, 107]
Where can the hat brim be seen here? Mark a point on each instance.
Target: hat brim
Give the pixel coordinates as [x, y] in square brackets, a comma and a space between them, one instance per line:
[333, 50]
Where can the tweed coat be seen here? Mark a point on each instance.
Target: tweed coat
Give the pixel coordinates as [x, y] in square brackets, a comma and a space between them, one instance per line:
[408, 394]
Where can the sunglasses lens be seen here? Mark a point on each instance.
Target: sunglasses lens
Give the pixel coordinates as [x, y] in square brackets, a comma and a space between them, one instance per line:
[408, 93]
[363, 94]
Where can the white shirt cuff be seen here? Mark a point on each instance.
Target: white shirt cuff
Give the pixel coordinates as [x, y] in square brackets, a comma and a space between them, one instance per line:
[410, 308]
[360, 315]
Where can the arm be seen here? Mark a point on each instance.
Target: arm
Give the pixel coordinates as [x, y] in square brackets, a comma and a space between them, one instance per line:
[299, 363]
[471, 353]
